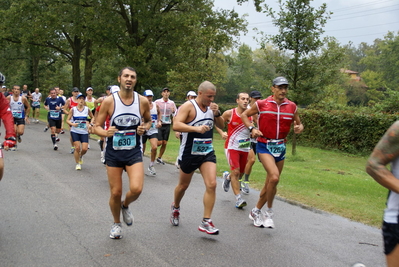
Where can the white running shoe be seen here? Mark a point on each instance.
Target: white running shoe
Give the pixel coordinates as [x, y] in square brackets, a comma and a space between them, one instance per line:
[226, 182]
[78, 167]
[256, 216]
[55, 146]
[152, 171]
[175, 216]
[208, 227]
[268, 222]
[116, 231]
[102, 157]
[244, 187]
[127, 215]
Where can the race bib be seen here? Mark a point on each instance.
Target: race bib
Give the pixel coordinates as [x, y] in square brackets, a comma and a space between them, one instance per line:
[244, 143]
[54, 114]
[165, 119]
[202, 146]
[81, 124]
[35, 104]
[276, 147]
[124, 140]
[17, 114]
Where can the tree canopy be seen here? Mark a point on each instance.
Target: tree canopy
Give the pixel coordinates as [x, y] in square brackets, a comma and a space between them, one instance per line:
[156, 37]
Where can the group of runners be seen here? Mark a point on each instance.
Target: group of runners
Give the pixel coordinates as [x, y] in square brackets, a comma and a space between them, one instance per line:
[126, 120]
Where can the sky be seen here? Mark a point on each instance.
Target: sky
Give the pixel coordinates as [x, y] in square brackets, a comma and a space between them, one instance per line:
[354, 21]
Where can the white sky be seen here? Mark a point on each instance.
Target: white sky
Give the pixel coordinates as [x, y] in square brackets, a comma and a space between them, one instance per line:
[353, 21]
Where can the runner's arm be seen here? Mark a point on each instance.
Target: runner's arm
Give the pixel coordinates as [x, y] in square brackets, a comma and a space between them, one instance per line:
[6, 116]
[386, 151]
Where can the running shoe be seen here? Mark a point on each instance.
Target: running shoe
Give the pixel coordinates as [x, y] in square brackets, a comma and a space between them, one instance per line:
[160, 161]
[37, 121]
[99, 143]
[240, 203]
[13, 148]
[78, 167]
[175, 216]
[256, 216]
[116, 231]
[80, 160]
[245, 187]
[19, 139]
[102, 157]
[55, 146]
[152, 171]
[45, 129]
[226, 182]
[72, 150]
[127, 215]
[268, 222]
[62, 132]
[57, 139]
[208, 227]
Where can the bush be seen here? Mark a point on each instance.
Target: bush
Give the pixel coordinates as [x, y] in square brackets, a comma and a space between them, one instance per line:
[348, 131]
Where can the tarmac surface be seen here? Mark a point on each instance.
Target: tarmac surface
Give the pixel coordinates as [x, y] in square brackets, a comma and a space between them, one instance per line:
[53, 215]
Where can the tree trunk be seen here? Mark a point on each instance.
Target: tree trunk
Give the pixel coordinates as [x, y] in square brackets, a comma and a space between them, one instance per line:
[35, 72]
[89, 62]
[77, 51]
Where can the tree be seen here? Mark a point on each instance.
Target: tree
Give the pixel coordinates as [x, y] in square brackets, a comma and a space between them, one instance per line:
[154, 36]
[300, 29]
[389, 59]
[159, 36]
[58, 25]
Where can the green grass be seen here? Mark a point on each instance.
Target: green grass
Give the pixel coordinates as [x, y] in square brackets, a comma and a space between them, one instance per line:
[331, 181]
[326, 180]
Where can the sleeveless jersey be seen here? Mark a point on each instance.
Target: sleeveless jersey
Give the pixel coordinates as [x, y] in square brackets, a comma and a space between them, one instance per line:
[391, 213]
[126, 143]
[274, 120]
[238, 134]
[197, 144]
[154, 119]
[90, 104]
[72, 103]
[81, 118]
[17, 108]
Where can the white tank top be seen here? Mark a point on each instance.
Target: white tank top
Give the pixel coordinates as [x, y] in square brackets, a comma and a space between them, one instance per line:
[17, 108]
[126, 118]
[391, 212]
[197, 144]
[154, 119]
[81, 118]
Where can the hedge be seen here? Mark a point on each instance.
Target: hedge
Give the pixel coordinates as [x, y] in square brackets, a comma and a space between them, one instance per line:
[348, 131]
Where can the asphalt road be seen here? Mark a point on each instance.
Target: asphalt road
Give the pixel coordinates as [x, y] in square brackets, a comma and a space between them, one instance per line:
[52, 215]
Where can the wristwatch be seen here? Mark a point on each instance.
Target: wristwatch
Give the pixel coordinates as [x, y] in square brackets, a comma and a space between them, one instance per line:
[250, 128]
